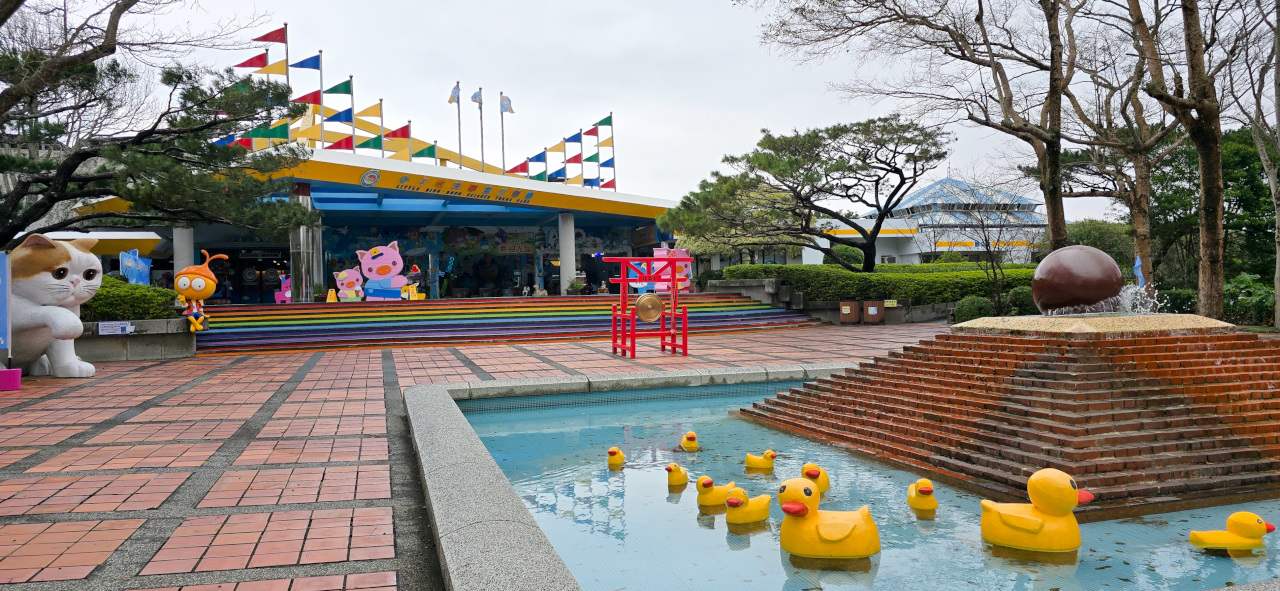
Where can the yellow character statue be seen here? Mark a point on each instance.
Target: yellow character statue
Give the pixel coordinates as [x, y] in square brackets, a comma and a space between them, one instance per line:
[194, 284]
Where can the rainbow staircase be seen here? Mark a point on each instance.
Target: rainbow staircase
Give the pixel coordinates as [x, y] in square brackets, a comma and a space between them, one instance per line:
[294, 327]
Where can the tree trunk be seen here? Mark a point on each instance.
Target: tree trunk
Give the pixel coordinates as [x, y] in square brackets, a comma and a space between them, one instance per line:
[1051, 165]
[1140, 213]
[868, 255]
[1207, 137]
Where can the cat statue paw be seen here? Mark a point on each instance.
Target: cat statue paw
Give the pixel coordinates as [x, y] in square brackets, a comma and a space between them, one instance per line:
[50, 280]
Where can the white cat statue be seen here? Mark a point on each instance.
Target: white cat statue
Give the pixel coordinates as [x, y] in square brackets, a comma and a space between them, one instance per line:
[50, 281]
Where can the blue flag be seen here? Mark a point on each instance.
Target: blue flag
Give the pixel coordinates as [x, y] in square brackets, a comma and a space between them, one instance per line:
[591, 183]
[542, 157]
[574, 139]
[559, 174]
[311, 63]
[607, 163]
[226, 141]
[343, 116]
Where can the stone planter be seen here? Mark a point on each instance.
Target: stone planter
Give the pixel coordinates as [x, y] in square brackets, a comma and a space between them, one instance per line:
[169, 338]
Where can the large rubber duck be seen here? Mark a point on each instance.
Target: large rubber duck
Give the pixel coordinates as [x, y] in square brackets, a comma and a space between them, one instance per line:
[689, 442]
[1244, 532]
[616, 459]
[676, 474]
[810, 533]
[763, 461]
[921, 500]
[710, 494]
[817, 474]
[744, 509]
[1044, 525]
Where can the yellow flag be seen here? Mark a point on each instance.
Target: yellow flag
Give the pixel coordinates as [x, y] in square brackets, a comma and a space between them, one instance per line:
[557, 148]
[279, 68]
[374, 111]
[401, 155]
[261, 143]
[607, 143]
[577, 180]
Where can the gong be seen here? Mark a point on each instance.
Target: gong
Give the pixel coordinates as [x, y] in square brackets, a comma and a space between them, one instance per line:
[649, 307]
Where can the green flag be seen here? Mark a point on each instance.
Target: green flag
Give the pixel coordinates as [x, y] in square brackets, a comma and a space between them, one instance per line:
[427, 152]
[606, 121]
[340, 88]
[542, 176]
[592, 158]
[279, 132]
[374, 142]
[256, 132]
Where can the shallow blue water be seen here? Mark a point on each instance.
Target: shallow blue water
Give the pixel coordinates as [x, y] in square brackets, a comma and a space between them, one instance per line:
[623, 531]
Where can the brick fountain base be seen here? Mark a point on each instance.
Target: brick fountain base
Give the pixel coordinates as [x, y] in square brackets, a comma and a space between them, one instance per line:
[1150, 413]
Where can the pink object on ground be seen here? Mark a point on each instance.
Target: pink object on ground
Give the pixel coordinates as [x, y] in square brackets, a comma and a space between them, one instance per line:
[10, 379]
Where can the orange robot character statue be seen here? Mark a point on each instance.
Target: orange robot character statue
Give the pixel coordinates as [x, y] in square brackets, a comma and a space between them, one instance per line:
[194, 284]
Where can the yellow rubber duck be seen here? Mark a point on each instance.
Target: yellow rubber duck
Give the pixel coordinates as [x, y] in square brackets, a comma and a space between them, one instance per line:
[810, 533]
[676, 474]
[689, 442]
[1244, 532]
[1044, 525]
[817, 474]
[743, 509]
[616, 459]
[763, 461]
[710, 494]
[921, 500]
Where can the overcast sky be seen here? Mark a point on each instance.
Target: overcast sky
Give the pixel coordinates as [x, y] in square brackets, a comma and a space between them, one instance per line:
[687, 82]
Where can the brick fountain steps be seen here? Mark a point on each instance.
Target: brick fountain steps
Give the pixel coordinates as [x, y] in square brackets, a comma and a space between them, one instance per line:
[1138, 416]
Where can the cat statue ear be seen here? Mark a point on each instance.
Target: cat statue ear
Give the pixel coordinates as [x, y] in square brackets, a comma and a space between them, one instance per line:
[38, 241]
[85, 244]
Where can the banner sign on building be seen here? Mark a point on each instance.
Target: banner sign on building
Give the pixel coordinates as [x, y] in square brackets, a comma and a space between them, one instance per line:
[136, 270]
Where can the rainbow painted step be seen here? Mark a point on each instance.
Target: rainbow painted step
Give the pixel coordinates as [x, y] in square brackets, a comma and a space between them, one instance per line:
[259, 329]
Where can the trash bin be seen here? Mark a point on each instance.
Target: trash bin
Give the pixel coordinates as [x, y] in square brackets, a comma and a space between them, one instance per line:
[850, 312]
[873, 312]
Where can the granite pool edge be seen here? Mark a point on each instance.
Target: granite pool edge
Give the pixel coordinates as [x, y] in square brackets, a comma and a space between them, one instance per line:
[491, 541]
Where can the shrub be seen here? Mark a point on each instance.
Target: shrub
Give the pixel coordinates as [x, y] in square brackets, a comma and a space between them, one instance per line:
[118, 300]
[952, 256]
[1021, 302]
[833, 283]
[945, 267]
[1247, 301]
[709, 275]
[851, 255]
[1178, 301]
[974, 307]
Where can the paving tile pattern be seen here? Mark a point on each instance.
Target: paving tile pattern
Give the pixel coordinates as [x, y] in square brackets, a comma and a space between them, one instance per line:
[85, 494]
[59, 551]
[299, 485]
[382, 581]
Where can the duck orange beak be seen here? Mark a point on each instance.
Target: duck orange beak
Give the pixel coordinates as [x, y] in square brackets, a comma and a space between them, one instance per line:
[613, 452]
[708, 483]
[773, 455]
[925, 490]
[1271, 527]
[692, 437]
[812, 473]
[738, 502]
[1083, 496]
[668, 468]
[795, 509]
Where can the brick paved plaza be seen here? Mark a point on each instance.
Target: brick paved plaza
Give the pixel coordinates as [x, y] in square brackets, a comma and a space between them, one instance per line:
[273, 472]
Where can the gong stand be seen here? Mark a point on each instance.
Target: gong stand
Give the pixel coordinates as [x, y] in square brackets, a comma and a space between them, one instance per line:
[673, 319]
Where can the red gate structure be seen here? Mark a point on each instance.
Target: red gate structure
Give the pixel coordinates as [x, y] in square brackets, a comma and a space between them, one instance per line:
[673, 324]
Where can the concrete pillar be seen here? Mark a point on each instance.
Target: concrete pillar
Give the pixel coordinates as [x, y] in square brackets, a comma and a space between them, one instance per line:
[184, 248]
[715, 262]
[302, 248]
[568, 252]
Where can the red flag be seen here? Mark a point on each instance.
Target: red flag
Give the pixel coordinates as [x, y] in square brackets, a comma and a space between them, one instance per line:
[311, 98]
[245, 142]
[343, 144]
[522, 167]
[402, 133]
[608, 185]
[593, 131]
[575, 159]
[277, 36]
[259, 61]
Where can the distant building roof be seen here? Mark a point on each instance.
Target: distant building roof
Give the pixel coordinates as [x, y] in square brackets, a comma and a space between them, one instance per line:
[951, 202]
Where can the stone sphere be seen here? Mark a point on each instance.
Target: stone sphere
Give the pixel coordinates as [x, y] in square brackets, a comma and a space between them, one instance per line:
[1075, 276]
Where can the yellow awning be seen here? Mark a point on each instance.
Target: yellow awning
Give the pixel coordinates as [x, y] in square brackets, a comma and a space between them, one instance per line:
[113, 242]
[103, 205]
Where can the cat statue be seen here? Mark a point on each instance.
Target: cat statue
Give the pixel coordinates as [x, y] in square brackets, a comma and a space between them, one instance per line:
[50, 281]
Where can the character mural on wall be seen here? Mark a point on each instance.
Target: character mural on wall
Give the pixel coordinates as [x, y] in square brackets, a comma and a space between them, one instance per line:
[194, 285]
[349, 285]
[50, 281]
[382, 266]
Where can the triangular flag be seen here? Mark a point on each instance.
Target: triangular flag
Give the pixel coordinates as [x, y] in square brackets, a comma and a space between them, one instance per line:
[343, 87]
[607, 143]
[226, 141]
[608, 185]
[260, 143]
[255, 132]
[311, 98]
[401, 133]
[559, 174]
[343, 116]
[574, 159]
[542, 176]
[593, 131]
[427, 152]
[557, 148]
[280, 35]
[311, 63]
[522, 167]
[374, 111]
[592, 158]
[606, 121]
[607, 163]
[342, 144]
[577, 180]
[279, 68]
[279, 132]
[256, 61]
[374, 142]
[541, 157]
[574, 139]
[401, 155]
[591, 183]
[244, 142]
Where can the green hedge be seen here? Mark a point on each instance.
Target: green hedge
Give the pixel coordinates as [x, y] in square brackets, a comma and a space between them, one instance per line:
[829, 282]
[972, 307]
[1022, 302]
[118, 300]
[944, 267]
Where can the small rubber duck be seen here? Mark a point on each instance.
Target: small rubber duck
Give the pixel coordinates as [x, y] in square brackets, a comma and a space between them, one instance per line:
[689, 442]
[676, 474]
[763, 461]
[1043, 525]
[817, 474]
[710, 494]
[744, 509]
[616, 459]
[810, 533]
[921, 500]
[1244, 532]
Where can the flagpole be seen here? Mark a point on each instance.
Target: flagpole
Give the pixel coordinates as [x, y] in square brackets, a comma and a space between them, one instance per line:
[480, 106]
[459, 103]
[410, 127]
[502, 126]
[286, 59]
[598, 156]
[351, 84]
[582, 166]
[613, 152]
[320, 62]
[437, 151]
[382, 128]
